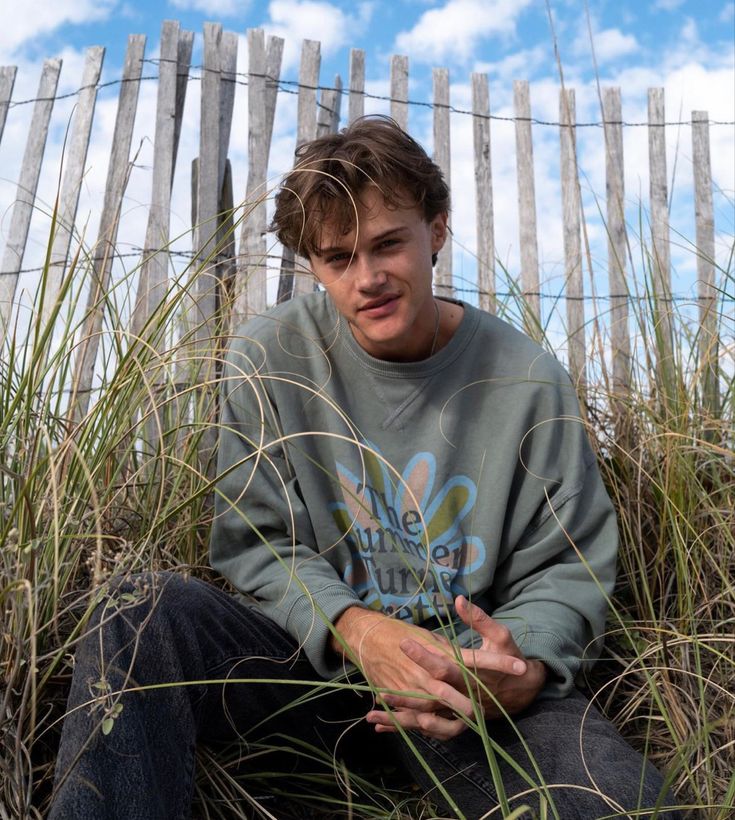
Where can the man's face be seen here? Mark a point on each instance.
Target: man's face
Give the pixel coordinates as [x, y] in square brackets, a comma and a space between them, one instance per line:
[378, 276]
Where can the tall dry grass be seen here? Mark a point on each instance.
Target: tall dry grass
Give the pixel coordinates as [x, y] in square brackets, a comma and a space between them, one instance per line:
[126, 486]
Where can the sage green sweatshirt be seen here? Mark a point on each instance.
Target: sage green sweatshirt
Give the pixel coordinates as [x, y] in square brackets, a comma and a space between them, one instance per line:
[348, 480]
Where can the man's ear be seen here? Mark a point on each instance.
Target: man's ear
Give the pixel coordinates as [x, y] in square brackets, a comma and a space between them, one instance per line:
[438, 231]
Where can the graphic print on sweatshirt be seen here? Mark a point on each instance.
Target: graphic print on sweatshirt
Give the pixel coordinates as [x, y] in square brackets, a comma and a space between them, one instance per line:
[410, 553]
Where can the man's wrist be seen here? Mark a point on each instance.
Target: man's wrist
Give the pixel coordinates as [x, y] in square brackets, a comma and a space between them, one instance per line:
[539, 670]
[349, 626]
[538, 674]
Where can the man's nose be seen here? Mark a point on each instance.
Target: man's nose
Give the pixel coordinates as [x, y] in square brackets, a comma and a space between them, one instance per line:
[369, 273]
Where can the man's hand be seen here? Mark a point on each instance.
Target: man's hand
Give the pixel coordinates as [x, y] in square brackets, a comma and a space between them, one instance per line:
[493, 679]
[492, 687]
[374, 641]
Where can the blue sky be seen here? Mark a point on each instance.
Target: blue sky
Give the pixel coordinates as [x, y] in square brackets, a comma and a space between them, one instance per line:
[629, 32]
[462, 34]
[686, 46]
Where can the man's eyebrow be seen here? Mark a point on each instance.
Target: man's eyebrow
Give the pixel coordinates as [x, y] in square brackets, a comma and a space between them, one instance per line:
[349, 247]
[329, 249]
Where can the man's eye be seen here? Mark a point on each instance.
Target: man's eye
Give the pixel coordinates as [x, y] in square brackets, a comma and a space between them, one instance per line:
[389, 243]
[337, 258]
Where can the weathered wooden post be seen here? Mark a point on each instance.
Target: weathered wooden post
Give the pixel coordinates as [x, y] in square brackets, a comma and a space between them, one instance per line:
[226, 243]
[660, 246]
[118, 173]
[357, 84]
[616, 254]
[571, 217]
[442, 156]
[527, 207]
[264, 70]
[153, 278]
[207, 194]
[330, 105]
[74, 168]
[399, 90]
[707, 338]
[30, 172]
[7, 81]
[483, 193]
[295, 272]
[211, 245]
[153, 282]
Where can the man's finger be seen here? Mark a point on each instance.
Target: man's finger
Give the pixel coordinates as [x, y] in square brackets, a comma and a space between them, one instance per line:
[446, 701]
[430, 724]
[439, 665]
[485, 660]
[427, 704]
[443, 668]
[492, 631]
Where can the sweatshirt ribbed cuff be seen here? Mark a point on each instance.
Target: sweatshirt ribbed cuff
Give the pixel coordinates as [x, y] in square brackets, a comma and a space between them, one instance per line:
[308, 621]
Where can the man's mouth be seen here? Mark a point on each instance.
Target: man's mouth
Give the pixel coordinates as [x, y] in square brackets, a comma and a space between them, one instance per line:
[381, 301]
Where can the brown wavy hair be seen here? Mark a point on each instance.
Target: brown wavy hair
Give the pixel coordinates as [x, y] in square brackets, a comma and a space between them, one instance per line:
[331, 172]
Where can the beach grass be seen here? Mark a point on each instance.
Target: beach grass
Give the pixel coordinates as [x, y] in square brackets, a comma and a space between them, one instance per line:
[124, 485]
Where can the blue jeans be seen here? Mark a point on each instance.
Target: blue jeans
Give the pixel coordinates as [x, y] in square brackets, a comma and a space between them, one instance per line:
[132, 755]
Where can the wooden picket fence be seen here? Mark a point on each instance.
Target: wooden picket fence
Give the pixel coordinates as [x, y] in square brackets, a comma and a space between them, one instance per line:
[213, 188]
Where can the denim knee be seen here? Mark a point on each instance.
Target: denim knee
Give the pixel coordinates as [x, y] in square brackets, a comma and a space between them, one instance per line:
[148, 597]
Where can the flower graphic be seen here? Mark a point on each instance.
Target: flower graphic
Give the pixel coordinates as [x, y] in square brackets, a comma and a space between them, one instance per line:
[410, 550]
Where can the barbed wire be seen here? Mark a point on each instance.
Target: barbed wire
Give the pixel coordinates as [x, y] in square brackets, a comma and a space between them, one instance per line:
[673, 298]
[294, 87]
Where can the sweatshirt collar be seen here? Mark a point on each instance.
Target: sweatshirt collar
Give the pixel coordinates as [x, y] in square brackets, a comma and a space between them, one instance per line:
[420, 369]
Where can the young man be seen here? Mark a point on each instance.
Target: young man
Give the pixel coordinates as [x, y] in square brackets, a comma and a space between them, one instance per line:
[407, 496]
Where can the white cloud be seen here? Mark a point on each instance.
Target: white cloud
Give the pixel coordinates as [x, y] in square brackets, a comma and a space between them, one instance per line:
[690, 32]
[457, 28]
[668, 5]
[519, 64]
[297, 20]
[216, 8]
[21, 27]
[609, 44]
[727, 15]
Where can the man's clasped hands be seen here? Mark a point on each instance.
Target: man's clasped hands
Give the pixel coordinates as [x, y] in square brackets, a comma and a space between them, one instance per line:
[454, 685]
